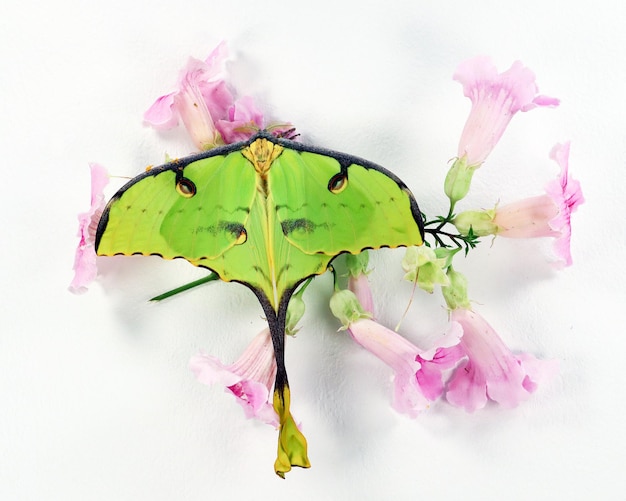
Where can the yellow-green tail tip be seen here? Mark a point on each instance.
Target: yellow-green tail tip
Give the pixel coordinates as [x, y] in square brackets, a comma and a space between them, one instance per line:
[292, 446]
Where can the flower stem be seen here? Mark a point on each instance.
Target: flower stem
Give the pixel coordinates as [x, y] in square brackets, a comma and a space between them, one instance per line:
[209, 278]
[466, 242]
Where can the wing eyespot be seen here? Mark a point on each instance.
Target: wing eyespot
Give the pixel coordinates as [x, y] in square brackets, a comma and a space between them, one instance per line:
[185, 187]
[242, 238]
[338, 183]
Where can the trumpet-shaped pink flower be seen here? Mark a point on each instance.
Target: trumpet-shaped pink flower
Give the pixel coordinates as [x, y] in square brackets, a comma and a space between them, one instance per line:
[207, 108]
[495, 97]
[567, 195]
[546, 215]
[491, 370]
[418, 375]
[527, 218]
[202, 98]
[360, 286]
[85, 268]
[249, 379]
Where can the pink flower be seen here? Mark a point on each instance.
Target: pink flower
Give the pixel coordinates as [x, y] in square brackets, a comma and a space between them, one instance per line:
[491, 371]
[567, 195]
[249, 379]
[85, 268]
[201, 99]
[360, 286]
[527, 218]
[243, 120]
[418, 378]
[207, 108]
[544, 215]
[495, 97]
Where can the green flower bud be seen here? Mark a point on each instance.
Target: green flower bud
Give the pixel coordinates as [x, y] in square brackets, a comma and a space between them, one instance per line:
[423, 264]
[346, 307]
[295, 311]
[479, 221]
[446, 253]
[357, 264]
[455, 293]
[458, 180]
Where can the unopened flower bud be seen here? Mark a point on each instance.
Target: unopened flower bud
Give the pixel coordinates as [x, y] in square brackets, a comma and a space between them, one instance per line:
[481, 222]
[455, 293]
[458, 180]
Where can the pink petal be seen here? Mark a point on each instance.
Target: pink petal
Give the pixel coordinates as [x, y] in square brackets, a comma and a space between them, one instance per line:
[361, 288]
[467, 388]
[99, 180]
[567, 195]
[217, 97]
[200, 100]
[254, 399]
[161, 114]
[393, 349]
[537, 371]
[545, 101]
[491, 371]
[408, 397]
[527, 218]
[85, 269]
[85, 264]
[202, 76]
[215, 59]
[400, 355]
[249, 379]
[444, 355]
[495, 97]
[244, 120]
[210, 370]
[417, 374]
[194, 113]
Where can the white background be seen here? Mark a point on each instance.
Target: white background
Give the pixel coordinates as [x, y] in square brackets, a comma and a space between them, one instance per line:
[96, 399]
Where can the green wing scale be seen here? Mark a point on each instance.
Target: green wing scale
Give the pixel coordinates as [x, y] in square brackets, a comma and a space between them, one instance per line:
[267, 213]
[334, 204]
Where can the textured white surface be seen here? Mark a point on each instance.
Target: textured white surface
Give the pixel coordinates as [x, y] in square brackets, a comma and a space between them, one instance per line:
[96, 399]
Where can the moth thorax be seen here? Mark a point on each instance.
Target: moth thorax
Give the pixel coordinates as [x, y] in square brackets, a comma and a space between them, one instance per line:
[261, 154]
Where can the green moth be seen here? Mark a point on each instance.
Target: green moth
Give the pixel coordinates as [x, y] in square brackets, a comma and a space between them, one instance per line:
[268, 213]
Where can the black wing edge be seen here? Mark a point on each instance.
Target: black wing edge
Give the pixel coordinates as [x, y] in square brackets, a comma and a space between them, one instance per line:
[345, 160]
[178, 165]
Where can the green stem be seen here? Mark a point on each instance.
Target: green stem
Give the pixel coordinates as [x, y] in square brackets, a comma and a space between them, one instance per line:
[467, 241]
[183, 288]
[331, 268]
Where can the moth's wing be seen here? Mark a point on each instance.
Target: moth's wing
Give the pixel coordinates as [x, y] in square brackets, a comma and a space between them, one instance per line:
[197, 210]
[267, 262]
[331, 203]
